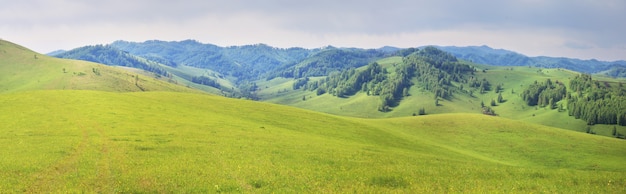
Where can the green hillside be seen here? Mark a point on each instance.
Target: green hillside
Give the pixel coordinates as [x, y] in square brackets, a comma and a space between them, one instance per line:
[462, 99]
[90, 141]
[77, 127]
[22, 69]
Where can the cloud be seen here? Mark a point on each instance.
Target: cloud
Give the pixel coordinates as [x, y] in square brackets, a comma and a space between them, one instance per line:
[527, 25]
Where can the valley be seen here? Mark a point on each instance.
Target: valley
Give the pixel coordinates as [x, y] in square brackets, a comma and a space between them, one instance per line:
[76, 126]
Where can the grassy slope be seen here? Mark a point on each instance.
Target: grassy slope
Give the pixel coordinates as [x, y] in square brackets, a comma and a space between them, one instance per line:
[22, 69]
[513, 79]
[176, 142]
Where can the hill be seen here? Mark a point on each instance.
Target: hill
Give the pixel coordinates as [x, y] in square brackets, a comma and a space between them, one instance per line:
[22, 69]
[92, 141]
[72, 126]
[501, 57]
[430, 81]
[229, 71]
[111, 56]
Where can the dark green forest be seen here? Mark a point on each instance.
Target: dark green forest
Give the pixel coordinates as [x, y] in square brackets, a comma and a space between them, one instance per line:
[544, 94]
[597, 102]
[432, 68]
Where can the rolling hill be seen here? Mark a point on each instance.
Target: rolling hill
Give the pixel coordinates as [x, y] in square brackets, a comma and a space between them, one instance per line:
[104, 138]
[92, 141]
[433, 83]
[22, 69]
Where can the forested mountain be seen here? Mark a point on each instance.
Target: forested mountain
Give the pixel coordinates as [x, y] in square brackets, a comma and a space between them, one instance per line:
[385, 82]
[500, 57]
[241, 62]
[111, 56]
[329, 60]
[252, 62]
[430, 68]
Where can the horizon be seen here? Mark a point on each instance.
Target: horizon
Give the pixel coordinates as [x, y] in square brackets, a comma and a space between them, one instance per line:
[420, 46]
[560, 28]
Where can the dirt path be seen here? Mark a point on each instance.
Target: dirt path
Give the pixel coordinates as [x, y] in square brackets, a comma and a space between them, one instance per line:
[87, 168]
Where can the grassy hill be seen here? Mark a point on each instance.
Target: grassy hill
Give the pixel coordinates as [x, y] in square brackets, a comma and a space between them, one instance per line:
[513, 80]
[22, 69]
[73, 126]
[92, 141]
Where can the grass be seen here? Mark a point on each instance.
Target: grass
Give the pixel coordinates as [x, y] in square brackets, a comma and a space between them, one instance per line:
[78, 132]
[513, 79]
[23, 70]
[90, 141]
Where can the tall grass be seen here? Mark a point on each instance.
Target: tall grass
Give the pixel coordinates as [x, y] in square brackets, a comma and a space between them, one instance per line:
[88, 141]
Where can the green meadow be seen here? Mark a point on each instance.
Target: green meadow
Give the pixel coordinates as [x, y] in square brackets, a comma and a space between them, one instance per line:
[76, 127]
[91, 141]
[513, 80]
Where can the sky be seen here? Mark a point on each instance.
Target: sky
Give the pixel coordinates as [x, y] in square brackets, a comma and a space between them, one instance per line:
[585, 29]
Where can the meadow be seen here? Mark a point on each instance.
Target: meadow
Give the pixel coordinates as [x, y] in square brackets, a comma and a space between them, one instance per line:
[513, 80]
[71, 126]
[93, 141]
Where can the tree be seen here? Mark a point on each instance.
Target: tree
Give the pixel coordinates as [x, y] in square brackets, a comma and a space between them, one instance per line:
[437, 102]
[422, 111]
[489, 111]
[493, 102]
[614, 131]
[500, 99]
[482, 104]
[498, 88]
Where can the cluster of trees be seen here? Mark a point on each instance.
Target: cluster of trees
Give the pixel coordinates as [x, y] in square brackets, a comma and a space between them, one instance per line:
[207, 81]
[597, 102]
[481, 84]
[544, 93]
[434, 69]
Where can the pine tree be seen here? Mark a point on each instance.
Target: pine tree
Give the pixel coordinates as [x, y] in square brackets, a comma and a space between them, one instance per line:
[500, 100]
[493, 102]
[552, 103]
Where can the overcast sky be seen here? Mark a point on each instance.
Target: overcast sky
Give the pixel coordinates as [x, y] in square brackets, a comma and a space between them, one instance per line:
[571, 28]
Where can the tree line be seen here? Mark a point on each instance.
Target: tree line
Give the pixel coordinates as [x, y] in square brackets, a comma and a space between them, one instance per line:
[597, 102]
[207, 81]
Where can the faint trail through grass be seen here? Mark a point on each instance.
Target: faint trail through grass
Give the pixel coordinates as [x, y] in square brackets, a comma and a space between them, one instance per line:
[52, 176]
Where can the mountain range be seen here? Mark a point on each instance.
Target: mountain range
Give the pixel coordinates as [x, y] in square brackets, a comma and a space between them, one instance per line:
[410, 120]
[501, 57]
[261, 61]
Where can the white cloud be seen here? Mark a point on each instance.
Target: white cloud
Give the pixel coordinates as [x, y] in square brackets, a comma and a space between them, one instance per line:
[554, 28]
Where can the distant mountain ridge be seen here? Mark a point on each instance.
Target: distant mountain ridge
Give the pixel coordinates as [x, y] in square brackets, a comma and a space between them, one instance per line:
[500, 57]
[246, 62]
[108, 55]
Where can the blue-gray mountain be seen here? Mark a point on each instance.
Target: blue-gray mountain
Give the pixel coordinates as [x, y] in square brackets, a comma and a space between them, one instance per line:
[244, 64]
[500, 57]
[252, 62]
[108, 55]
